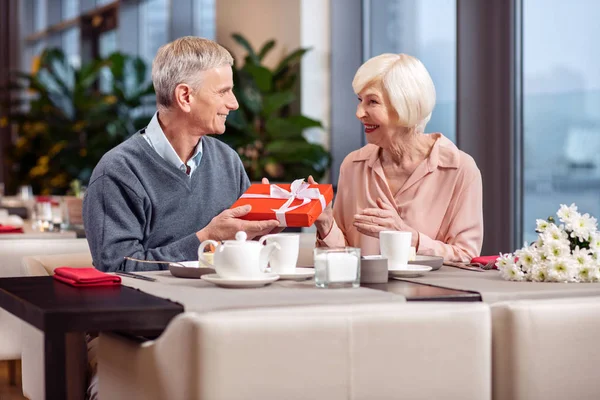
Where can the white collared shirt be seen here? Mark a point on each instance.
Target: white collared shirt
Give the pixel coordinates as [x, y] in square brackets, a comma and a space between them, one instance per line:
[155, 136]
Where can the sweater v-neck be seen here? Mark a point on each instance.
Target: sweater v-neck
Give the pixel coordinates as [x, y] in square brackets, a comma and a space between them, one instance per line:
[181, 177]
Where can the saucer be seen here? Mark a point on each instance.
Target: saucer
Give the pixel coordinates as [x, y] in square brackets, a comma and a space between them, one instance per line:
[299, 274]
[435, 262]
[192, 270]
[410, 271]
[241, 282]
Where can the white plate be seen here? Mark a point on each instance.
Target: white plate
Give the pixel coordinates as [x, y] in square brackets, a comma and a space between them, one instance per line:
[241, 282]
[411, 271]
[299, 275]
[192, 270]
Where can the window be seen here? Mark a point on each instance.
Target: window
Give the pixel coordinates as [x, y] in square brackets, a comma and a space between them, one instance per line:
[70, 9]
[40, 16]
[561, 108]
[71, 45]
[204, 19]
[107, 44]
[154, 28]
[425, 29]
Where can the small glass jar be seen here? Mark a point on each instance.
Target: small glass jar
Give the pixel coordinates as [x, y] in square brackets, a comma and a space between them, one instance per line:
[337, 267]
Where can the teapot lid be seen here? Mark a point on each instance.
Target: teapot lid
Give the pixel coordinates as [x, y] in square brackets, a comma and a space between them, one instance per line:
[240, 238]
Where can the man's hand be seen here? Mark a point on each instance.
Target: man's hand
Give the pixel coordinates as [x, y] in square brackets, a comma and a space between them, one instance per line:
[371, 221]
[325, 220]
[225, 225]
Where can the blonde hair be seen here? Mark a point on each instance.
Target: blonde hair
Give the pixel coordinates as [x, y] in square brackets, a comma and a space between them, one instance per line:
[407, 84]
[181, 61]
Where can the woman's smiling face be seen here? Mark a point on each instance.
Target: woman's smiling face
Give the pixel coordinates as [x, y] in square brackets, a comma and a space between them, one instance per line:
[376, 114]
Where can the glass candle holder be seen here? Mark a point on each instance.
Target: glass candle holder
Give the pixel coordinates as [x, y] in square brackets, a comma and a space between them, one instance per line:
[337, 267]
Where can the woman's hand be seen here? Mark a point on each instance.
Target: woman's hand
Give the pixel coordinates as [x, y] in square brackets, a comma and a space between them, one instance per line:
[325, 220]
[371, 221]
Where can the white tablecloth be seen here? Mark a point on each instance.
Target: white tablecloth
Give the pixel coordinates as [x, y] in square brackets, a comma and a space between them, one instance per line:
[200, 296]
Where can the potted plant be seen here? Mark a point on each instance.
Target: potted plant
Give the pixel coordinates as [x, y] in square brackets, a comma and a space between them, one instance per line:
[64, 123]
[265, 131]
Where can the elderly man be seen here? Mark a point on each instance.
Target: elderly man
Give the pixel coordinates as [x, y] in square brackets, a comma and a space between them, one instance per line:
[160, 193]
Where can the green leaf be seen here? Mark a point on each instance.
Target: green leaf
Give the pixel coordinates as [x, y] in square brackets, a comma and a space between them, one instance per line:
[275, 101]
[247, 93]
[263, 78]
[299, 152]
[88, 74]
[246, 45]
[290, 127]
[289, 61]
[265, 49]
[55, 64]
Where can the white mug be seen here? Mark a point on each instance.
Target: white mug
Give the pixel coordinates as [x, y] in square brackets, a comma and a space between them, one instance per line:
[284, 260]
[395, 246]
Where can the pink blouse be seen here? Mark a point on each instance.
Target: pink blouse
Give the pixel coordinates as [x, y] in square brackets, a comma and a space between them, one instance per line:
[442, 200]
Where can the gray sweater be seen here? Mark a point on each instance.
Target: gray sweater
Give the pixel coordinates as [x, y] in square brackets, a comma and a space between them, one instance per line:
[139, 205]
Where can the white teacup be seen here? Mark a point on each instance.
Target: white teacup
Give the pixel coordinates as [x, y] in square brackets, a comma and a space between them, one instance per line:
[285, 259]
[395, 246]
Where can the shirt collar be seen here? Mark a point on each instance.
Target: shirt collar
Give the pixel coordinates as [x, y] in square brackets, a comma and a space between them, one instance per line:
[159, 142]
[444, 154]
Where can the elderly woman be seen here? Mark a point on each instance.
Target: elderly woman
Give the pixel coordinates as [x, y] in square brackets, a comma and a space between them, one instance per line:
[403, 179]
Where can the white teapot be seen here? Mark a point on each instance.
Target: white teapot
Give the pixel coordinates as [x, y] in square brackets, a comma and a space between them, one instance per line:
[239, 258]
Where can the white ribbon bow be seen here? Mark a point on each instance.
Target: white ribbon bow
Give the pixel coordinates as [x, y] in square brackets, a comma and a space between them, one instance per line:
[299, 190]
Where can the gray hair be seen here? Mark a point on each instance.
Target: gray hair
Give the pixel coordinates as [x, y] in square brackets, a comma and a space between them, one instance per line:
[181, 61]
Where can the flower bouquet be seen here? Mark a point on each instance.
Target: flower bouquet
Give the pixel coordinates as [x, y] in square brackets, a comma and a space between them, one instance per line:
[568, 251]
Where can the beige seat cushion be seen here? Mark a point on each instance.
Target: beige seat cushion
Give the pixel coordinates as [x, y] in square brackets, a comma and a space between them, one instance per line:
[45, 265]
[546, 349]
[368, 351]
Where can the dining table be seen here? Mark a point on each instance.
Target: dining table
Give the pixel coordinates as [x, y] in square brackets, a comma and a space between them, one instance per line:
[65, 313]
[492, 288]
[144, 308]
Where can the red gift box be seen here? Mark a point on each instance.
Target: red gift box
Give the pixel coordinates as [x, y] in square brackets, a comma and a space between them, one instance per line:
[297, 204]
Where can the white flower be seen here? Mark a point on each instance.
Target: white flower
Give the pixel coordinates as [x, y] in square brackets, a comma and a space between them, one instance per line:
[541, 225]
[582, 226]
[539, 273]
[554, 234]
[581, 257]
[560, 270]
[505, 261]
[555, 249]
[550, 258]
[595, 241]
[586, 274]
[528, 257]
[595, 273]
[512, 273]
[565, 214]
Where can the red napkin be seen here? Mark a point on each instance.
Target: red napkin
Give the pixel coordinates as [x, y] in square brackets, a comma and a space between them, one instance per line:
[10, 229]
[85, 277]
[485, 260]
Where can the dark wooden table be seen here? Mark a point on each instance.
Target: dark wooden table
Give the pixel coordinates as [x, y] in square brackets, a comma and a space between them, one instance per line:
[421, 292]
[61, 311]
